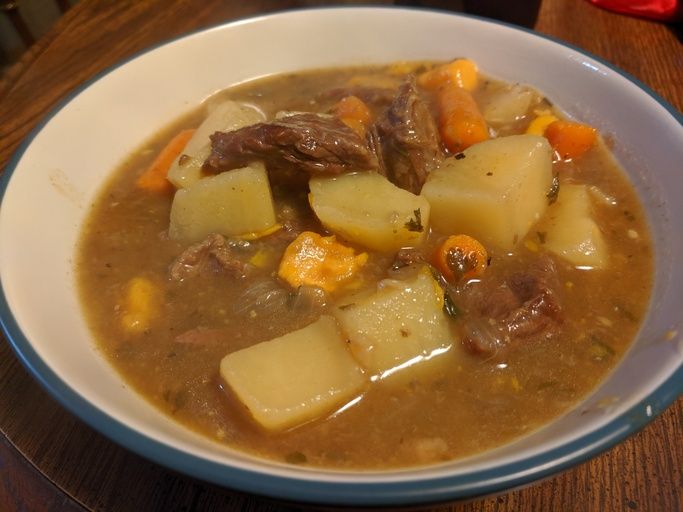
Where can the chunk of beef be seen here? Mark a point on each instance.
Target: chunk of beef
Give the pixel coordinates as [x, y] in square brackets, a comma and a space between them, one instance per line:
[213, 254]
[293, 148]
[409, 139]
[513, 306]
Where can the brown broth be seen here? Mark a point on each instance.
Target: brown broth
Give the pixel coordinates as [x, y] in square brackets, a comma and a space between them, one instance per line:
[471, 406]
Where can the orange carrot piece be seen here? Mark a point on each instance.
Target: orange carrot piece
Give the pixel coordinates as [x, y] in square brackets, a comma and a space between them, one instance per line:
[315, 260]
[570, 140]
[353, 107]
[460, 121]
[461, 72]
[354, 113]
[460, 256]
[154, 177]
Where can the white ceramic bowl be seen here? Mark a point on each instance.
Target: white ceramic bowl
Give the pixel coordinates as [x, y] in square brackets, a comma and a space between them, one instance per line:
[53, 178]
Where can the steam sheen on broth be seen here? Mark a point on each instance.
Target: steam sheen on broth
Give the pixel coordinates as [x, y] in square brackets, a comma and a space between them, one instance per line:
[475, 352]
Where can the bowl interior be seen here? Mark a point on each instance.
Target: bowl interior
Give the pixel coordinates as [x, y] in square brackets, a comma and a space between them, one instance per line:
[53, 179]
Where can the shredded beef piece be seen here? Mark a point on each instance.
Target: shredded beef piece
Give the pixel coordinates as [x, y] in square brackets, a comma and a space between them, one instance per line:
[407, 256]
[292, 224]
[409, 139]
[293, 148]
[295, 218]
[374, 142]
[213, 254]
[514, 306]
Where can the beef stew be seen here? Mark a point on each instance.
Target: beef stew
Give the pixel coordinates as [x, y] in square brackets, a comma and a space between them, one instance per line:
[424, 272]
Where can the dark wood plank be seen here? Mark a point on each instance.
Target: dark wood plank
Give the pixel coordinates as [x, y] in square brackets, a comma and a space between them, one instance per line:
[647, 50]
[19, 479]
[643, 473]
[96, 35]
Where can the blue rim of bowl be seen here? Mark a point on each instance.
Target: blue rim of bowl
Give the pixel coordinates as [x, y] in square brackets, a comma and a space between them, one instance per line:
[401, 492]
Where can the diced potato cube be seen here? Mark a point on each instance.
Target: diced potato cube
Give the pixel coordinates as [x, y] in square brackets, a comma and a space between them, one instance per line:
[367, 209]
[296, 378]
[225, 117]
[508, 104]
[495, 192]
[397, 327]
[570, 230]
[235, 203]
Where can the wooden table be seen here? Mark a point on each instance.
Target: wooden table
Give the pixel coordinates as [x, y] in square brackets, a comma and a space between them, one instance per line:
[50, 460]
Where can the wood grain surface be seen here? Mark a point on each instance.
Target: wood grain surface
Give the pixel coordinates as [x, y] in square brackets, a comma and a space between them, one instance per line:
[51, 461]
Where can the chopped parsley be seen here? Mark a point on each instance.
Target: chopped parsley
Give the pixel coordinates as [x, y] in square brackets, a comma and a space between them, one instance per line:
[449, 306]
[416, 223]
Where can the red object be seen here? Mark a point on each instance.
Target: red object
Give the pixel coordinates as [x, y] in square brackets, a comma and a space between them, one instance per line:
[664, 10]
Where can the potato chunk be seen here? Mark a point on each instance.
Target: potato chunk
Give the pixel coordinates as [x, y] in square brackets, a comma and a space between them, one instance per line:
[367, 209]
[397, 327]
[494, 192]
[295, 378]
[236, 203]
[508, 104]
[227, 116]
[571, 232]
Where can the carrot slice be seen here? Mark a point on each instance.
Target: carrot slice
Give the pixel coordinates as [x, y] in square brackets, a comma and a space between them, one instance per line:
[570, 140]
[154, 177]
[460, 256]
[461, 72]
[354, 113]
[461, 124]
[314, 260]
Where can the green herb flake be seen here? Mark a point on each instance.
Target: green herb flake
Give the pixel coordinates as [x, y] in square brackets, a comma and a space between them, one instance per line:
[541, 236]
[625, 313]
[296, 458]
[416, 223]
[459, 156]
[449, 306]
[599, 350]
[554, 189]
